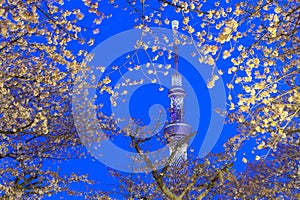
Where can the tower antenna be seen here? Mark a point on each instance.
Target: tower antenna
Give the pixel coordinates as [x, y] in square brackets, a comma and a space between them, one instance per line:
[175, 24]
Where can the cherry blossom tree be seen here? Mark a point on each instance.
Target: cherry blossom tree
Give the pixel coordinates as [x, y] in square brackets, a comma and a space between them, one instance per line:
[257, 45]
[37, 71]
[254, 44]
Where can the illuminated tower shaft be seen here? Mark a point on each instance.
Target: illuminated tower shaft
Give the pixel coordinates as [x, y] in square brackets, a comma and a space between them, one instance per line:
[177, 131]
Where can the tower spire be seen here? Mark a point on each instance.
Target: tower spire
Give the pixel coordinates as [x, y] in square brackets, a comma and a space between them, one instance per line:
[175, 25]
[176, 78]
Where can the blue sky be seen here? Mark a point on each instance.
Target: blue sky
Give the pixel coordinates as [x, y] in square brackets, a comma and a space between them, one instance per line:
[146, 96]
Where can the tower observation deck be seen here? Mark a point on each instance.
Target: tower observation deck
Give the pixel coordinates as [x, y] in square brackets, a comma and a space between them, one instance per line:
[176, 130]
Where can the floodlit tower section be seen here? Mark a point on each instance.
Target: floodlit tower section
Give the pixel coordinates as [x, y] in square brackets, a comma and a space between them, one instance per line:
[177, 131]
